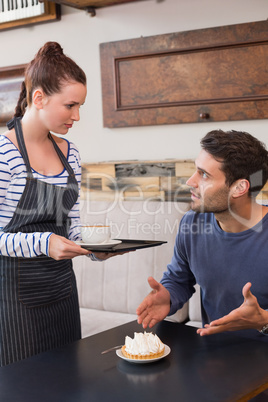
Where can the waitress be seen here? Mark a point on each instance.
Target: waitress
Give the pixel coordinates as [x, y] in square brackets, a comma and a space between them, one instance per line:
[40, 177]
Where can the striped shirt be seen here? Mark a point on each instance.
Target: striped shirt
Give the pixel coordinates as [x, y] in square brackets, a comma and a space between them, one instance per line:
[12, 183]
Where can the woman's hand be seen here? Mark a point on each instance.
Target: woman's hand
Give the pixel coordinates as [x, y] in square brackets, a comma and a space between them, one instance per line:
[61, 248]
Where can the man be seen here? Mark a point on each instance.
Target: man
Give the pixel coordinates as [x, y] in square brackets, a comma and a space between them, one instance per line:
[222, 243]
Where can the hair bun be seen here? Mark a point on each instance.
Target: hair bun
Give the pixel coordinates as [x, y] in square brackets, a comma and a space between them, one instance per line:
[51, 49]
[50, 70]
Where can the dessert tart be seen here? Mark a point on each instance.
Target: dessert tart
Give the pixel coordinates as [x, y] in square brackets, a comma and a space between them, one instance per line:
[143, 346]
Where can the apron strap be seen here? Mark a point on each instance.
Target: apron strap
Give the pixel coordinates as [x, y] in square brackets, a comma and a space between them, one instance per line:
[21, 143]
[61, 156]
[15, 122]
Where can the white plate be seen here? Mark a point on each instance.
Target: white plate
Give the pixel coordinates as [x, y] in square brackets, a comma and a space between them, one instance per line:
[120, 354]
[113, 242]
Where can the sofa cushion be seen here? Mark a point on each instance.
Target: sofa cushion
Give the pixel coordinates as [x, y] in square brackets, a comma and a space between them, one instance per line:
[119, 284]
[95, 321]
[195, 318]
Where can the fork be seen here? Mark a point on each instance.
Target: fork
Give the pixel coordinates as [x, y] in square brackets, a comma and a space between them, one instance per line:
[110, 349]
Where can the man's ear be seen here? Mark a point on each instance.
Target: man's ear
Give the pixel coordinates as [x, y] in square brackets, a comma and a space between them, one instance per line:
[38, 98]
[240, 188]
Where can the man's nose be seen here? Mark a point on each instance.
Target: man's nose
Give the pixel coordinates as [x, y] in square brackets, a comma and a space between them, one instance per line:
[192, 182]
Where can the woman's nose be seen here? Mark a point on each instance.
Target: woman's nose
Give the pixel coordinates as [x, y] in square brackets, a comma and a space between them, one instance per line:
[76, 115]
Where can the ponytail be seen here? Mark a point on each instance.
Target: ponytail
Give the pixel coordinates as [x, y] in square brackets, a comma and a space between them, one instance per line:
[22, 102]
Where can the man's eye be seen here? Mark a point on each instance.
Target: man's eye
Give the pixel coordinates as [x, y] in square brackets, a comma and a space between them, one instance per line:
[69, 106]
[203, 174]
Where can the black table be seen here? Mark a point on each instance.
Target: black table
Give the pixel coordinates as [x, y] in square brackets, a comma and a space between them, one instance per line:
[223, 367]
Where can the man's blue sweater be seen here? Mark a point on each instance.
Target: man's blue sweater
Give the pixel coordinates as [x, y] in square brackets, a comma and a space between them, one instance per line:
[220, 262]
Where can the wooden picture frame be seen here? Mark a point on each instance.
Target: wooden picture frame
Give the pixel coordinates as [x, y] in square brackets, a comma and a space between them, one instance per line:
[52, 12]
[10, 84]
[205, 75]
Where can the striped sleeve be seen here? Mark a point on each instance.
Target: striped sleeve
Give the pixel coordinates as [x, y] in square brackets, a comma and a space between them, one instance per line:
[5, 174]
[26, 245]
[12, 184]
[15, 244]
[74, 214]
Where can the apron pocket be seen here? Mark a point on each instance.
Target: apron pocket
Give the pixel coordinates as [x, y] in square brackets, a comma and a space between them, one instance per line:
[43, 280]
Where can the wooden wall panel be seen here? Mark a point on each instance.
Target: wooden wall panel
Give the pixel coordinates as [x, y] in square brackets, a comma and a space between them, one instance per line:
[211, 74]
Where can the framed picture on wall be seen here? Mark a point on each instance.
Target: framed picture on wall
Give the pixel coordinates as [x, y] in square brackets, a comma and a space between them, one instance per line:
[10, 85]
[202, 75]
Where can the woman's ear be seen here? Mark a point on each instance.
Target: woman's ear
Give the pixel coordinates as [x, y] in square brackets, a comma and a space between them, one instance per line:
[240, 188]
[38, 98]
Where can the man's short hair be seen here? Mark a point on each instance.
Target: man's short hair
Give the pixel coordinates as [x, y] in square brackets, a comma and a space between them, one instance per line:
[242, 156]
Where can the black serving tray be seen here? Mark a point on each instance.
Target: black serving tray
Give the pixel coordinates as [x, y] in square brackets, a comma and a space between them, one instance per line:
[126, 245]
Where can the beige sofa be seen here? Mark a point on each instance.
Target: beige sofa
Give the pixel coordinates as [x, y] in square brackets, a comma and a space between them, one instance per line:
[110, 291]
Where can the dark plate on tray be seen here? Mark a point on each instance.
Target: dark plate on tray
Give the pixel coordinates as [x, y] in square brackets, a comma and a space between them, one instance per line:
[125, 245]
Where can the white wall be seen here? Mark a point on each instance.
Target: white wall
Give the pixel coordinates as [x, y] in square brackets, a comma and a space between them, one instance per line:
[80, 35]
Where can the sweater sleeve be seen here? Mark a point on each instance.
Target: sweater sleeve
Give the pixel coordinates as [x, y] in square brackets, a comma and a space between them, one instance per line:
[178, 279]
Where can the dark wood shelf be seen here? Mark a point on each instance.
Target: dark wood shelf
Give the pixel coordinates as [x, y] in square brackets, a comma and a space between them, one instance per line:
[93, 4]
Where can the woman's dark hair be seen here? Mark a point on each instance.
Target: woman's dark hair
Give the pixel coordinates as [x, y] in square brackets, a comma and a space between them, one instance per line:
[242, 157]
[49, 70]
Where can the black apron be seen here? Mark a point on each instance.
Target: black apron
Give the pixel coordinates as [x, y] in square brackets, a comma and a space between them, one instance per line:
[39, 307]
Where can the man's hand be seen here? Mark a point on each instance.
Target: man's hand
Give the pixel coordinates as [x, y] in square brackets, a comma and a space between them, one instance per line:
[249, 315]
[104, 256]
[155, 307]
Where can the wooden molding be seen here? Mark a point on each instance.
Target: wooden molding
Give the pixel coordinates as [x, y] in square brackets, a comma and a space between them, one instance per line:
[91, 5]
